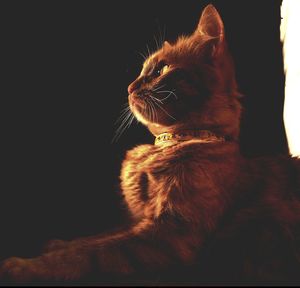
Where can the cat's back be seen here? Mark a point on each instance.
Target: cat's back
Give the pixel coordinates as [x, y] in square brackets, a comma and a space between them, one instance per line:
[257, 240]
[280, 174]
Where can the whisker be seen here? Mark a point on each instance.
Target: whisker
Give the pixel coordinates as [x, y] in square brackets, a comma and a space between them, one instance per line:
[168, 91]
[130, 119]
[149, 53]
[164, 35]
[155, 112]
[126, 119]
[148, 111]
[141, 54]
[166, 97]
[123, 114]
[159, 87]
[156, 42]
[164, 110]
[160, 36]
[156, 99]
[152, 110]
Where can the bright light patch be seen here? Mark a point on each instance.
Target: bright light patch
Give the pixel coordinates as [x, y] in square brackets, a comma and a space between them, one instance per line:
[290, 36]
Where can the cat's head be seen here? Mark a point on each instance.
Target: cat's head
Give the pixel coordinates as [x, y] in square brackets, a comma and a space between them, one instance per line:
[189, 84]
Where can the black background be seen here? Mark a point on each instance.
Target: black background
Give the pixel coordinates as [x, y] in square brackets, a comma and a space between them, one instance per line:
[66, 67]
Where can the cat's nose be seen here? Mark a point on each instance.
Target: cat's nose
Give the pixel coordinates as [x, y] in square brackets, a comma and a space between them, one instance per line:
[134, 85]
[130, 88]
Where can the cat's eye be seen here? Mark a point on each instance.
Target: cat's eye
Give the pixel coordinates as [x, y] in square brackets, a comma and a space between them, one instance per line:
[162, 69]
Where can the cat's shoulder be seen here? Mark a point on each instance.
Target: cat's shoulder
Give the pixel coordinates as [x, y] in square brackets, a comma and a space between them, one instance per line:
[182, 150]
[140, 151]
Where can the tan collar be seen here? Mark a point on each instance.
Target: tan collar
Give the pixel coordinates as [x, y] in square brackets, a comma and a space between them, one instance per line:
[204, 136]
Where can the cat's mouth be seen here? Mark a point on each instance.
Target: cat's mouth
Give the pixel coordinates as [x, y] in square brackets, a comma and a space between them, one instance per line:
[135, 99]
[147, 107]
[148, 97]
[138, 106]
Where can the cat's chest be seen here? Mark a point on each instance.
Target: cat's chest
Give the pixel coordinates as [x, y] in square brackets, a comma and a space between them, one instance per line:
[139, 177]
[152, 176]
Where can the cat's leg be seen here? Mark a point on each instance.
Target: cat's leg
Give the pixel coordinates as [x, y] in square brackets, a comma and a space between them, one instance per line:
[142, 249]
[64, 264]
[57, 244]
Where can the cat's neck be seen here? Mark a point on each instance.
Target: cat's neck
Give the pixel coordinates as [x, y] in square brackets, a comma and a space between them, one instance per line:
[158, 130]
[203, 136]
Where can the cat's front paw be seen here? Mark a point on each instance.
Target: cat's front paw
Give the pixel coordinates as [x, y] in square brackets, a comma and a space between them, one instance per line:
[16, 269]
[55, 244]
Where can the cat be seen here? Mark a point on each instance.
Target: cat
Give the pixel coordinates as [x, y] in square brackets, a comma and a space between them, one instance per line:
[201, 212]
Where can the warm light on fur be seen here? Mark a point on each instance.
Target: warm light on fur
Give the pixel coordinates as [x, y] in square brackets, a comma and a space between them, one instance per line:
[196, 205]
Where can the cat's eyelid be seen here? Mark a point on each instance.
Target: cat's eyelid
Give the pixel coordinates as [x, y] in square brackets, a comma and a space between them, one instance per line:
[152, 68]
[161, 64]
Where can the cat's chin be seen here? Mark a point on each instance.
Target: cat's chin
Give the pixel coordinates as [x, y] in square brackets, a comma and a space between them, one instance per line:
[154, 128]
[136, 106]
[138, 115]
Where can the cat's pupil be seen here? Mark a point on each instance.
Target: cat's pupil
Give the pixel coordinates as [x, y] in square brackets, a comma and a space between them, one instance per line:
[161, 67]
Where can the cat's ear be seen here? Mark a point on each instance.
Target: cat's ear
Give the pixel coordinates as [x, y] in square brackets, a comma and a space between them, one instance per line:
[211, 26]
[166, 45]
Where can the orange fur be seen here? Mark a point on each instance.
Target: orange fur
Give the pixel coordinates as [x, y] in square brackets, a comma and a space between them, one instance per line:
[193, 204]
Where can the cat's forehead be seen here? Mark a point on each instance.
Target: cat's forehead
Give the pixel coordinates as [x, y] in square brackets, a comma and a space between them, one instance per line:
[155, 58]
[151, 60]
[150, 63]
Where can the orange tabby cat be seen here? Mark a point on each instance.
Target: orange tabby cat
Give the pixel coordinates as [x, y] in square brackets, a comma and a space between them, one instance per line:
[199, 208]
